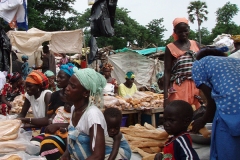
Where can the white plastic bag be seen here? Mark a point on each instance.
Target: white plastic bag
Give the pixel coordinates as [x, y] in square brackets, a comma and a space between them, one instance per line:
[22, 143]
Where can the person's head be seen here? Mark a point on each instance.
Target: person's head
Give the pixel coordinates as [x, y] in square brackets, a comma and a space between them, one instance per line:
[67, 106]
[16, 79]
[66, 71]
[177, 117]
[63, 55]
[107, 69]
[36, 82]
[160, 77]
[45, 49]
[113, 117]
[129, 78]
[85, 85]
[210, 52]
[24, 58]
[181, 29]
[51, 76]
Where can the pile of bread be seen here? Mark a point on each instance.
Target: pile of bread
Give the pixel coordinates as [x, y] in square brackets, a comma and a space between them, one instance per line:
[146, 140]
[116, 102]
[17, 104]
[9, 130]
[140, 100]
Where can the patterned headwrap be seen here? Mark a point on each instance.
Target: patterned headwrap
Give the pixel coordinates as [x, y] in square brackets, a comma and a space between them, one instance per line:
[130, 75]
[108, 66]
[176, 22]
[24, 57]
[236, 38]
[67, 68]
[37, 77]
[15, 77]
[159, 75]
[93, 82]
[49, 73]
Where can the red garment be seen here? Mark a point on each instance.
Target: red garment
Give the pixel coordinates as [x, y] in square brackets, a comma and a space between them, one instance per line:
[83, 64]
[179, 148]
[7, 89]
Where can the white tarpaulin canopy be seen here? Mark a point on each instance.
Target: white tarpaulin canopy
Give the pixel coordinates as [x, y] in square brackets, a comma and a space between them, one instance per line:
[60, 41]
[145, 69]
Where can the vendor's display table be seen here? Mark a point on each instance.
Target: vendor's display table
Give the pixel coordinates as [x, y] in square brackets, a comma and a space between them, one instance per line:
[150, 112]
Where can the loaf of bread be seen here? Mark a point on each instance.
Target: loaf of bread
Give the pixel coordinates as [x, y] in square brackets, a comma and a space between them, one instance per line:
[203, 131]
[155, 134]
[9, 129]
[6, 147]
[11, 157]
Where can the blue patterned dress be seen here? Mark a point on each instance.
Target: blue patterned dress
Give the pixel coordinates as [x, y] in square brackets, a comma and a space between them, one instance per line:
[222, 75]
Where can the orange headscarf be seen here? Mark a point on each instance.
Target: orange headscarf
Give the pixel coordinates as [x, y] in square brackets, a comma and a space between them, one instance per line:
[37, 77]
[176, 22]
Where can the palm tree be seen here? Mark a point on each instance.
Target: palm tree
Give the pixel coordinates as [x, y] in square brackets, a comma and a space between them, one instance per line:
[197, 10]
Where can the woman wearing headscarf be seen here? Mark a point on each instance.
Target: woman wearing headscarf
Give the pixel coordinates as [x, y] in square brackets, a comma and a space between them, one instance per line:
[37, 97]
[10, 90]
[158, 87]
[87, 129]
[51, 80]
[218, 78]
[112, 86]
[127, 88]
[25, 67]
[53, 146]
[178, 60]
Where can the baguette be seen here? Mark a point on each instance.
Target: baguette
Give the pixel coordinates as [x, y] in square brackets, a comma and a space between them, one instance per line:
[203, 131]
[149, 126]
[140, 139]
[146, 144]
[154, 134]
[11, 157]
[155, 149]
[148, 150]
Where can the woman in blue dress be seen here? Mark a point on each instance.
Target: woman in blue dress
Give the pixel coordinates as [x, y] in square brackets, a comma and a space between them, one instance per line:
[218, 77]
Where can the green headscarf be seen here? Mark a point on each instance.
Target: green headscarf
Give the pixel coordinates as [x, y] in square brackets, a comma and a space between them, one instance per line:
[93, 82]
[49, 73]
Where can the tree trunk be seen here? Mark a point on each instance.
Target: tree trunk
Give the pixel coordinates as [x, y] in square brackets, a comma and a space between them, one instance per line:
[199, 33]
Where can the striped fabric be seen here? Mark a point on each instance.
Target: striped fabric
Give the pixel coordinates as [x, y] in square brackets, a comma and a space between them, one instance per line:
[52, 147]
[182, 68]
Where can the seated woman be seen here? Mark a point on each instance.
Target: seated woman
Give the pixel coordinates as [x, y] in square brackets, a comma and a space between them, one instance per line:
[112, 86]
[10, 90]
[88, 128]
[158, 87]
[63, 77]
[51, 81]
[37, 97]
[54, 142]
[128, 88]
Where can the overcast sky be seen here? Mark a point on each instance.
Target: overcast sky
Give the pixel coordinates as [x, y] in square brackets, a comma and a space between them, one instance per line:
[143, 11]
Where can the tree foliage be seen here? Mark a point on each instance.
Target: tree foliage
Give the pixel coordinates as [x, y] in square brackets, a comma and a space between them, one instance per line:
[226, 13]
[49, 15]
[197, 9]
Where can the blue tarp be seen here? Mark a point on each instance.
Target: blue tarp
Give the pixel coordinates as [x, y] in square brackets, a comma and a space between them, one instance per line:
[143, 51]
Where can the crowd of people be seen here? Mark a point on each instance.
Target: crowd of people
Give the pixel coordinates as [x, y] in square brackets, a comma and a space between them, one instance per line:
[66, 104]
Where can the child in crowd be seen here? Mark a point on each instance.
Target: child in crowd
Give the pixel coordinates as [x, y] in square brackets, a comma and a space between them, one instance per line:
[116, 145]
[25, 67]
[177, 117]
[62, 115]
